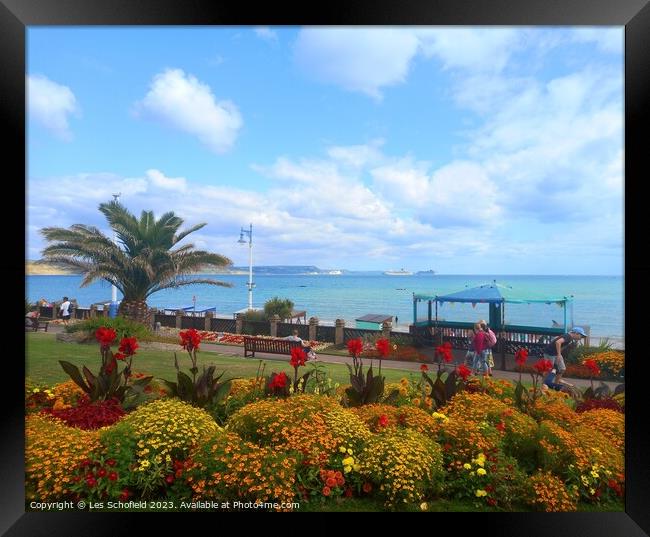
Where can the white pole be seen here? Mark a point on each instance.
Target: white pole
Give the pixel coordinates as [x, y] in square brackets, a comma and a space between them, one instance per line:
[250, 268]
[113, 288]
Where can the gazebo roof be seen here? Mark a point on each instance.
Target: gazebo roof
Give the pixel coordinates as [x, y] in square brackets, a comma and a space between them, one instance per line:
[492, 293]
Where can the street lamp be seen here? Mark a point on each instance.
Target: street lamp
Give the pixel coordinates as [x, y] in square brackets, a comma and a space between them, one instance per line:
[113, 307]
[250, 284]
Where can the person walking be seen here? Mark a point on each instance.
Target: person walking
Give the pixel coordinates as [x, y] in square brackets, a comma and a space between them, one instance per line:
[553, 351]
[479, 346]
[64, 310]
[490, 341]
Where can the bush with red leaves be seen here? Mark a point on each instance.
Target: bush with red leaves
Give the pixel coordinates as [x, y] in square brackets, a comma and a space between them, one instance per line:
[591, 404]
[87, 415]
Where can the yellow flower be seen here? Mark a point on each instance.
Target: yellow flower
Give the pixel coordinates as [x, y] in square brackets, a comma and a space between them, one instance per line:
[349, 461]
[467, 466]
[347, 469]
[36, 390]
[481, 471]
[356, 467]
[342, 449]
[592, 491]
[595, 474]
[480, 492]
[350, 451]
[472, 472]
[424, 506]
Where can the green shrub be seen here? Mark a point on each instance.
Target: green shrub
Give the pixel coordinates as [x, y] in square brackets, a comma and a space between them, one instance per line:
[282, 307]
[123, 327]
[577, 353]
[255, 316]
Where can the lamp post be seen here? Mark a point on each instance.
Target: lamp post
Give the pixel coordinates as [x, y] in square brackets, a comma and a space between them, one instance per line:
[241, 240]
[113, 307]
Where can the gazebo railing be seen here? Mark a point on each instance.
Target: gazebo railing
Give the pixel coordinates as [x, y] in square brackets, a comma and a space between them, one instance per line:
[509, 340]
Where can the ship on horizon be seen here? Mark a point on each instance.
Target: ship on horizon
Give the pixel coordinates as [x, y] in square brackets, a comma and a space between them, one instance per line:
[400, 272]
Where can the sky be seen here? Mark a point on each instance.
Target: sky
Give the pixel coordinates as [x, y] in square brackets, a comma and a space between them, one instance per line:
[466, 150]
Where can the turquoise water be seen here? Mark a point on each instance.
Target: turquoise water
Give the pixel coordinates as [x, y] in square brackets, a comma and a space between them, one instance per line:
[598, 300]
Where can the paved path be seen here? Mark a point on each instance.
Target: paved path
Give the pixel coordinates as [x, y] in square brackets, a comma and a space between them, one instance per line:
[238, 351]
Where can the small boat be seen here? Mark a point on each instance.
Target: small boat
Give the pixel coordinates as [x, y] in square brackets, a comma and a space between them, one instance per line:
[400, 272]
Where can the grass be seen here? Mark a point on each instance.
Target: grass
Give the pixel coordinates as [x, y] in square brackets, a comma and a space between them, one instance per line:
[43, 352]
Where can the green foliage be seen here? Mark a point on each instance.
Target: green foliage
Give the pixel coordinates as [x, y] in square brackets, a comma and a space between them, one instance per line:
[579, 352]
[146, 258]
[123, 327]
[255, 316]
[365, 389]
[282, 307]
[203, 391]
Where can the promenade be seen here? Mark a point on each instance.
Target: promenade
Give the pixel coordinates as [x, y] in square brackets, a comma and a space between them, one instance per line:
[237, 351]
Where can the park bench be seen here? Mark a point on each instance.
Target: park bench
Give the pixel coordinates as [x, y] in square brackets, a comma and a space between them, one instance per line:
[36, 325]
[272, 346]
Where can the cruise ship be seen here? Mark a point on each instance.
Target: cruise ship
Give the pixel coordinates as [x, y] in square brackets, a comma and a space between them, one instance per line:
[400, 272]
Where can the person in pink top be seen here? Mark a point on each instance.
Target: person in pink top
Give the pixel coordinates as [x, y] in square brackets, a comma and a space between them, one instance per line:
[479, 346]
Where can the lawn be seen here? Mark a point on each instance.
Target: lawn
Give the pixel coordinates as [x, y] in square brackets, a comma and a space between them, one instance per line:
[43, 353]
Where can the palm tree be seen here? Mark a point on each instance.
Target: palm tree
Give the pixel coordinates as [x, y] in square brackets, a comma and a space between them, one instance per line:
[144, 264]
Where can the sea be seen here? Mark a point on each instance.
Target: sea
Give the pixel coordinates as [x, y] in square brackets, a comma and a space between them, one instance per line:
[598, 301]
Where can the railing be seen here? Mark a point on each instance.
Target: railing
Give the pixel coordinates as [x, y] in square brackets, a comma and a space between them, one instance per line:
[256, 328]
[286, 329]
[325, 333]
[354, 333]
[198, 323]
[223, 325]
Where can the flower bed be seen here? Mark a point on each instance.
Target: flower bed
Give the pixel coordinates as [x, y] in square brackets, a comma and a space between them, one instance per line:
[278, 443]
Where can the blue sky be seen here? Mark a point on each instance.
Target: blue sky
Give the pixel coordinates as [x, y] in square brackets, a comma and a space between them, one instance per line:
[465, 150]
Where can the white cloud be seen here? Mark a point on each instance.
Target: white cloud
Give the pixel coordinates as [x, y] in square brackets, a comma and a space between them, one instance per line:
[264, 32]
[358, 59]
[158, 179]
[189, 105]
[476, 49]
[51, 104]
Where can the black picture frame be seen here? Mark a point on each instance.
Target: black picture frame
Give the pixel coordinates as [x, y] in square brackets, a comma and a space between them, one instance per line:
[16, 15]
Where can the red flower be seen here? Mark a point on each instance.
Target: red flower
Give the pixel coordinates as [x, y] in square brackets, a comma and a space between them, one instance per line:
[521, 356]
[330, 482]
[444, 351]
[355, 347]
[424, 367]
[147, 389]
[298, 357]
[591, 364]
[326, 491]
[278, 381]
[128, 345]
[91, 481]
[383, 420]
[348, 492]
[125, 494]
[383, 346]
[101, 472]
[105, 336]
[169, 479]
[367, 487]
[190, 339]
[110, 462]
[543, 366]
[491, 501]
[501, 426]
[119, 356]
[112, 476]
[463, 371]
[85, 462]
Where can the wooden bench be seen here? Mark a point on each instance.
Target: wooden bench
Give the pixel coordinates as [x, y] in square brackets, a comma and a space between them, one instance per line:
[272, 346]
[36, 325]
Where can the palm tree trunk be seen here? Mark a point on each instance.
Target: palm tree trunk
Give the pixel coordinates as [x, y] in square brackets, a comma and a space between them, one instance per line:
[136, 310]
